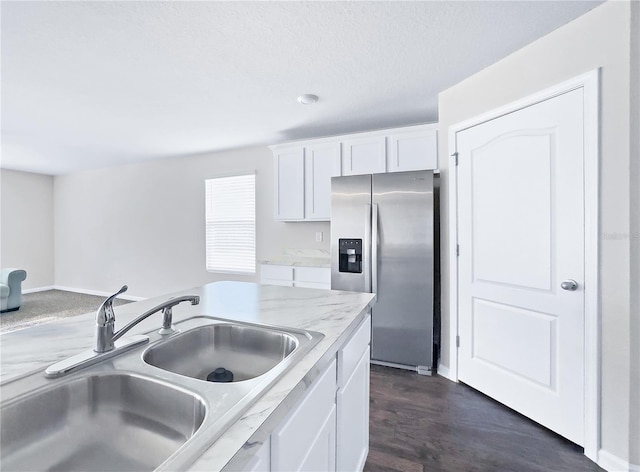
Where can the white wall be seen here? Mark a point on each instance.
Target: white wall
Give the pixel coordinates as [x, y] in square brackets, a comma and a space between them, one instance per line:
[601, 38]
[143, 224]
[634, 332]
[27, 226]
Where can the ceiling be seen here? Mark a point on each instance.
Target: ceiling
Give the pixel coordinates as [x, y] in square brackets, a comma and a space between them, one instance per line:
[94, 84]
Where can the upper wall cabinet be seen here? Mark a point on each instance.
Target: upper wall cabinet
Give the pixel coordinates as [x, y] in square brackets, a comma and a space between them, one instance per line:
[303, 181]
[289, 180]
[363, 156]
[303, 170]
[412, 149]
[321, 162]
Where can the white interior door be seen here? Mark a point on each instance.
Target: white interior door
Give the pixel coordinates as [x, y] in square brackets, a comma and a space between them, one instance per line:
[521, 237]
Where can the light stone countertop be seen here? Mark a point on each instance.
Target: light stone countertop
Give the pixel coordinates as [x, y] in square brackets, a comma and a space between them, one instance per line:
[301, 258]
[333, 313]
[298, 261]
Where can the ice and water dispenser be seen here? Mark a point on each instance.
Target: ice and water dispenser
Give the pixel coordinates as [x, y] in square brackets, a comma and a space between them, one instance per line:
[350, 255]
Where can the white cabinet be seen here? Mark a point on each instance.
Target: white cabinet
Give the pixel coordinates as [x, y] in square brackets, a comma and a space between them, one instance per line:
[303, 181]
[352, 400]
[353, 418]
[276, 275]
[412, 149]
[289, 184]
[312, 277]
[328, 430]
[306, 440]
[322, 161]
[291, 276]
[363, 155]
[303, 170]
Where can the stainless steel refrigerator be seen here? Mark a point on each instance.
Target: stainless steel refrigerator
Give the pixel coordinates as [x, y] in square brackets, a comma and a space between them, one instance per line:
[382, 241]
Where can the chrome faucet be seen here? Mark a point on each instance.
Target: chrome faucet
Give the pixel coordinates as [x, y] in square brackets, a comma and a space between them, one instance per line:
[106, 319]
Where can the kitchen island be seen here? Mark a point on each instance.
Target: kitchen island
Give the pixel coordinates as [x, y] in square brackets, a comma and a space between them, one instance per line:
[339, 316]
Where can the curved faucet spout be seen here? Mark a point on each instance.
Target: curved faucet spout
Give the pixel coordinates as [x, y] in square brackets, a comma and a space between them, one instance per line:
[166, 308]
[105, 319]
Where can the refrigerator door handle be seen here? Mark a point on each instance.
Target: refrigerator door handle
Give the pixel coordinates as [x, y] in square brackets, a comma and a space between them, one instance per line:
[366, 250]
[374, 248]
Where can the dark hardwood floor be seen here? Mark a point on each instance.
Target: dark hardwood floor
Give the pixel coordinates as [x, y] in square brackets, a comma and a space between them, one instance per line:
[430, 424]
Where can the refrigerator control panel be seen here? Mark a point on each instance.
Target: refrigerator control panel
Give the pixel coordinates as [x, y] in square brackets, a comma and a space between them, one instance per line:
[350, 255]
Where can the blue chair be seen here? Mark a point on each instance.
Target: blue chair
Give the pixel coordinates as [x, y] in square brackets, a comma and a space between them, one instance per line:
[11, 289]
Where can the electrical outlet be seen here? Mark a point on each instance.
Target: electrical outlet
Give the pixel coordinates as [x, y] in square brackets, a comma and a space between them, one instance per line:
[319, 236]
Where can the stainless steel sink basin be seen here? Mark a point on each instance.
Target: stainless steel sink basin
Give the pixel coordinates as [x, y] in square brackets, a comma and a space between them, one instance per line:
[144, 410]
[112, 421]
[246, 351]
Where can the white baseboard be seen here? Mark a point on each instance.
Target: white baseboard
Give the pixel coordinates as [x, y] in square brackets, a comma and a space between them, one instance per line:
[38, 289]
[612, 463]
[443, 371]
[98, 293]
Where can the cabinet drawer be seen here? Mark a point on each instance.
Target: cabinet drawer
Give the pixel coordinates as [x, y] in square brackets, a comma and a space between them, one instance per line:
[276, 272]
[351, 353]
[320, 275]
[291, 443]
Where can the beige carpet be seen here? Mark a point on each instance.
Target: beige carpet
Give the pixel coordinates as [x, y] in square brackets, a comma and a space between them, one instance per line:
[50, 305]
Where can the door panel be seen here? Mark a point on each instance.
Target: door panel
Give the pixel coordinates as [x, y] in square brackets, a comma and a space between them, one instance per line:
[528, 352]
[364, 156]
[351, 219]
[402, 319]
[521, 233]
[513, 173]
[320, 162]
[289, 176]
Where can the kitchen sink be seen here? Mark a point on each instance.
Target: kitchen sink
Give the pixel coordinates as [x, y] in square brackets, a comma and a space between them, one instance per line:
[145, 409]
[113, 421]
[237, 352]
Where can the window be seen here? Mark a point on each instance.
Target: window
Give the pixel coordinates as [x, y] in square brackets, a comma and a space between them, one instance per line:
[231, 224]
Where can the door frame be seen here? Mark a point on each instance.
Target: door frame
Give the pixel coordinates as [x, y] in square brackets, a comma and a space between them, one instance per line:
[590, 83]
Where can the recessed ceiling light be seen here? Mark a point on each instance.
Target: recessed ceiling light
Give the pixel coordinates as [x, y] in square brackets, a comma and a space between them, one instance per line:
[308, 99]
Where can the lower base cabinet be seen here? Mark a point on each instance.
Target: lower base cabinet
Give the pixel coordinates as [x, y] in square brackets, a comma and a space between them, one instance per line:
[328, 430]
[306, 439]
[353, 418]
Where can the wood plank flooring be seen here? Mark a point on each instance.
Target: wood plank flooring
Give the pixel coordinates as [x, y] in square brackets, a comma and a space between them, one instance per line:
[430, 424]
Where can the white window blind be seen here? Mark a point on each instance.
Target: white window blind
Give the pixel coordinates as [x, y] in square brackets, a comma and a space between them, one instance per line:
[231, 224]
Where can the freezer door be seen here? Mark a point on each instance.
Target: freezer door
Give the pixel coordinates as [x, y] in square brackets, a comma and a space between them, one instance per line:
[351, 220]
[402, 318]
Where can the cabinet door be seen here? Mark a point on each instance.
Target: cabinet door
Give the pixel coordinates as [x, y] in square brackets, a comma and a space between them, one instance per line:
[289, 184]
[321, 163]
[417, 150]
[306, 440]
[353, 419]
[364, 156]
[322, 453]
[312, 277]
[276, 275]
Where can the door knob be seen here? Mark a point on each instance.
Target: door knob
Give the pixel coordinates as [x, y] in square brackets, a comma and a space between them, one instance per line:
[569, 284]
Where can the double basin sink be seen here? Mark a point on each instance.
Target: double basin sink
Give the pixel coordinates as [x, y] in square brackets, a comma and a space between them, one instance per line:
[157, 407]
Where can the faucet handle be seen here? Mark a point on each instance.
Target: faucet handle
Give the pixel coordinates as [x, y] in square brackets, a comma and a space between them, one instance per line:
[105, 314]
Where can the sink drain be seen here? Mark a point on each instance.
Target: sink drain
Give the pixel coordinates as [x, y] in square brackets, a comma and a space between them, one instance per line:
[220, 375]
